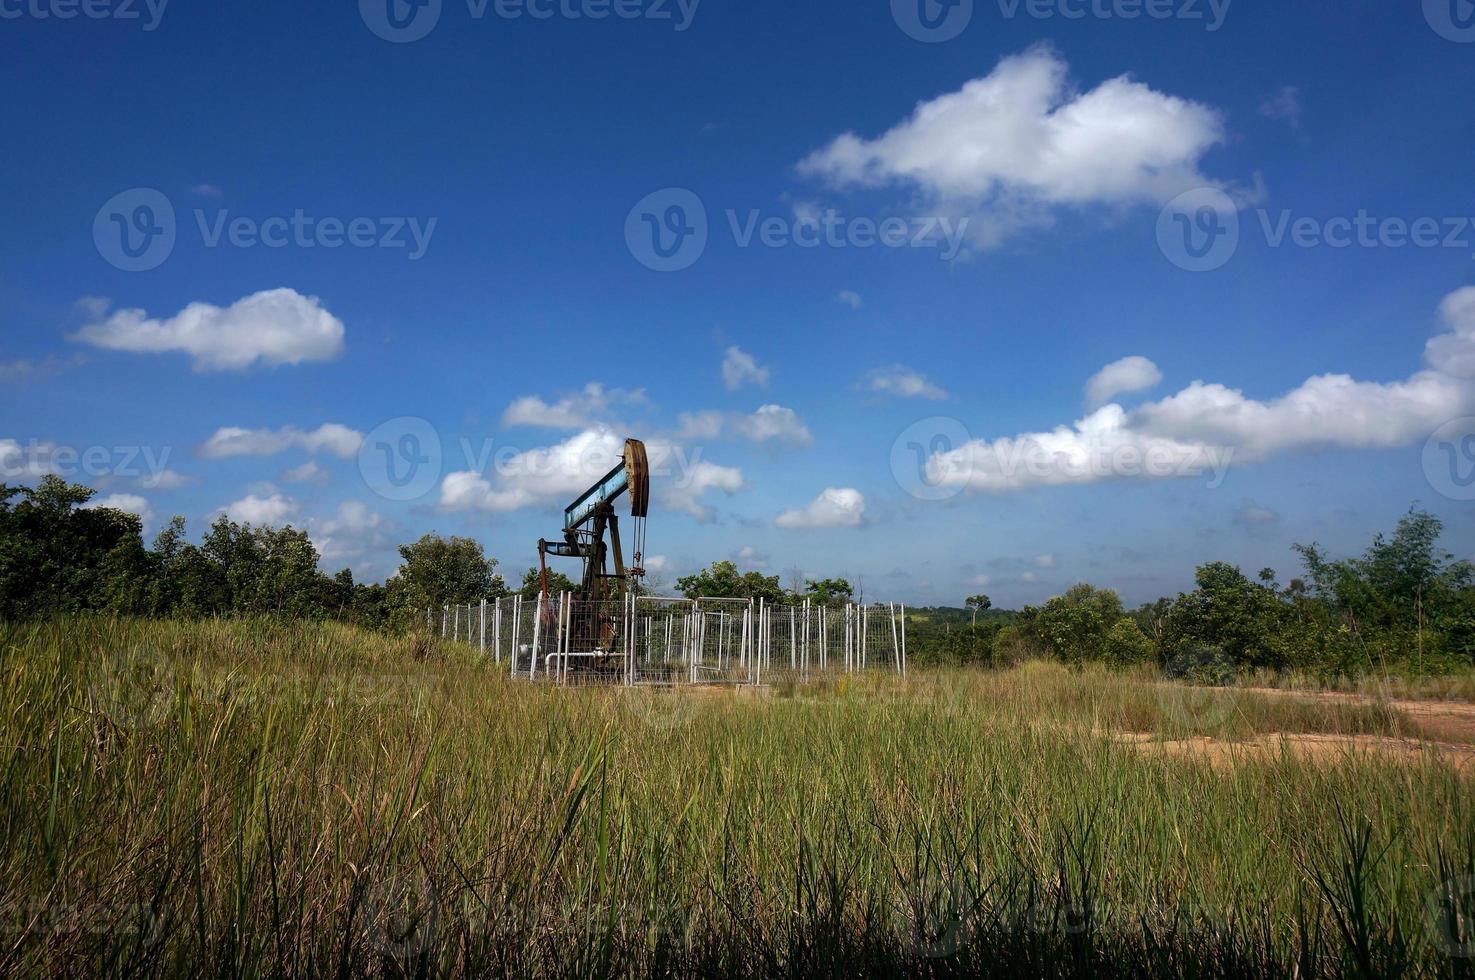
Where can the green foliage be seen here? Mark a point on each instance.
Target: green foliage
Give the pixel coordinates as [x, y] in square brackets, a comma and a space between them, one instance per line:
[1075, 626]
[723, 581]
[1202, 663]
[1126, 644]
[437, 571]
[828, 592]
[57, 557]
[1247, 619]
[532, 583]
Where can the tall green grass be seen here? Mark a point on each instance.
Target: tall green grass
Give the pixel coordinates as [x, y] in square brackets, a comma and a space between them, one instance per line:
[252, 799]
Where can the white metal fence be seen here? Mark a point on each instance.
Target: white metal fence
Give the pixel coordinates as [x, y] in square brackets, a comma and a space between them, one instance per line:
[651, 640]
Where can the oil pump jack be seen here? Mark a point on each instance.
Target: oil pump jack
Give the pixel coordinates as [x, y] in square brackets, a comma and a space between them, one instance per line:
[596, 622]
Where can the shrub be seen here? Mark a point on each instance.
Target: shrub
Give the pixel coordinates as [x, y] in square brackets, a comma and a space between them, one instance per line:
[1202, 663]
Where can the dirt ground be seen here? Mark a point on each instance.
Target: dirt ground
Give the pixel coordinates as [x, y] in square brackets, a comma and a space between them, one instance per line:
[1448, 727]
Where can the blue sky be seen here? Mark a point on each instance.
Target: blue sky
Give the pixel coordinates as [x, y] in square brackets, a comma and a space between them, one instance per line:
[1038, 172]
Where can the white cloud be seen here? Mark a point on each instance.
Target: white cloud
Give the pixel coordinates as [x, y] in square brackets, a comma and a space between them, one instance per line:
[850, 298]
[700, 425]
[739, 368]
[1285, 105]
[278, 326]
[1205, 427]
[353, 532]
[339, 440]
[1045, 561]
[979, 581]
[308, 472]
[130, 503]
[657, 564]
[30, 461]
[770, 423]
[904, 382]
[535, 476]
[1130, 374]
[685, 493]
[832, 508]
[1009, 148]
[269, 511]
[1253, 515]
[93, 306]
[752, 558]
[1453, 353]
[575, 411]
[773, 423]
[165, 480]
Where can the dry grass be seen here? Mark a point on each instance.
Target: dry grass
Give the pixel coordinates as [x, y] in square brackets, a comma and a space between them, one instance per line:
[253, 798]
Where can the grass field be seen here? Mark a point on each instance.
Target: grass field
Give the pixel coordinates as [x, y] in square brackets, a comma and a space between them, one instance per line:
[263, 799]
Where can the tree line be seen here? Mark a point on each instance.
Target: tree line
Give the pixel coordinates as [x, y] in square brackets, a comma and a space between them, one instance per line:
[1403, 604]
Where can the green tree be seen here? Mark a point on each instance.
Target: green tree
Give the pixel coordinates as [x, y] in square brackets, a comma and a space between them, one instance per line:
[1246, 619]
[1126, 644]
[1074, 626]
[978, 603]
[532, 583]
[723, 581]
[437, 571]
[829, 591]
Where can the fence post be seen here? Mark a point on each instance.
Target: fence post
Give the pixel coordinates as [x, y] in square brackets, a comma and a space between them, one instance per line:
[903, 639]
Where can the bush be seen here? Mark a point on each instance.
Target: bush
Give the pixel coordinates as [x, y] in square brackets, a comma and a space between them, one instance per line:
[1127, 645]
[1202, 663]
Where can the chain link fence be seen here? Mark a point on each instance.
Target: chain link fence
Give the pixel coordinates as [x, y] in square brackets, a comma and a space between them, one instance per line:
[657, 640]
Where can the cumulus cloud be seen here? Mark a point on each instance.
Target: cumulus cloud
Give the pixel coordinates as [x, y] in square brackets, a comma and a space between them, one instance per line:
[1453, 353]
[129, 503]
[1206, 427]
[1010, 148]
[684, 494]
[575, 411]
[1122, 377]
[275, 327]
[308, 472]
[740, 368]
[1045, 561]
[751, 557]
[269, 511]
[165, 480]
[773, 423]
[338, 440]
[535, 476]
[769, 424]
[554, 474]
[850, 298]
[832, 508]
[903, 382]
[30, 461]
[657, 564]
[351, 533]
